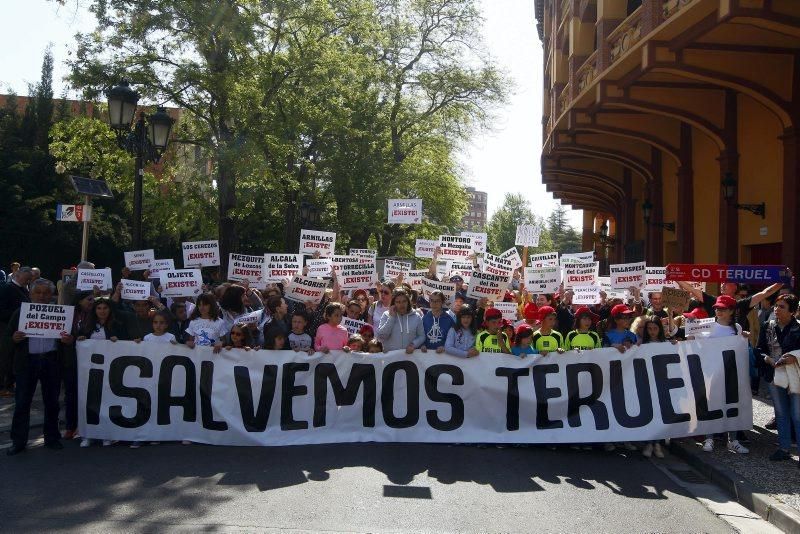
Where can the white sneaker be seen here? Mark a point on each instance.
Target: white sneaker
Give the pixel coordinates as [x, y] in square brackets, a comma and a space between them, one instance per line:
[86, 442]
[136, 444]
[186, 442]
[708, 445]
[609, 447]
[629, 446]
[647, 452]
[737, 447]
[657, 451]
[106, 443]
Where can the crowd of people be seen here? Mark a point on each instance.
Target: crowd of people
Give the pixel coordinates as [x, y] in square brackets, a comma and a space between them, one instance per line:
[391, 316]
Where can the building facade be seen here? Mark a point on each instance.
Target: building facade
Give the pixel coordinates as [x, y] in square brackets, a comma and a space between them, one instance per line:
[677, 122]
[475, 219]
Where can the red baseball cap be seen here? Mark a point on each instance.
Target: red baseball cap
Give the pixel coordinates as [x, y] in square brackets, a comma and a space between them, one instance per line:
[725, 301]
[492, 313]
[620, 310]
[584, 310]
[544, 311]
[509, 297]
[524, 330]
[697, 313]
[530, 311]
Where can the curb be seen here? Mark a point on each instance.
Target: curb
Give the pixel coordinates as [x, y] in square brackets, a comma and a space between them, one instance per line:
[755, 499]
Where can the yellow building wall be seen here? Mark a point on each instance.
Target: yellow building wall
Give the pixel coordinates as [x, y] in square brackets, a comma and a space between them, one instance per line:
[760, 172]
[707, 191]
[637, 190]
[669, 170]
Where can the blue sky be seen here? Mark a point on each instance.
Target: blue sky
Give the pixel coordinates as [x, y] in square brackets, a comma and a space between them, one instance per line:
[505, 159]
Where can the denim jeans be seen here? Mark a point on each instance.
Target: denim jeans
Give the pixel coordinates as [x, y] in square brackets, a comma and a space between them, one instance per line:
[44, 368]
[787, 413]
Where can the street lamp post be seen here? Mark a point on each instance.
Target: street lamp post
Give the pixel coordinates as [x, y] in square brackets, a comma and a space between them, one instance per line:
[147, 141]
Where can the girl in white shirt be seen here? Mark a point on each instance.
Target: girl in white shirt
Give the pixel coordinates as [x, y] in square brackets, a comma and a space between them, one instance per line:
[160, 325]
[206, 328]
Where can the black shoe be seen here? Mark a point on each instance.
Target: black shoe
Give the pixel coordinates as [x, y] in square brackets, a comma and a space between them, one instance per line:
[15, 449]
[772, 425]
[779, 456]
[54, 445]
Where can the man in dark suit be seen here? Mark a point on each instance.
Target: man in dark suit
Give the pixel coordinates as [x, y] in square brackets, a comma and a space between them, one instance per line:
[12, 295]
[35, 360]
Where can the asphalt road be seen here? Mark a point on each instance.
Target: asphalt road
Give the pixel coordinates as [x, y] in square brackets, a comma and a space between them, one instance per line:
[333, 488]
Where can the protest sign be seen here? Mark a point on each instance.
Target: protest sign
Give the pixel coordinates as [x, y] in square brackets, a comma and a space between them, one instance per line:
[356, 276]
[586, 295]
[244, 268]
[353, 325]
[741, 274]
[479, 241]
[249, 319]
[455, 247]
[45, 320]
[540, 280]
[627, 275]
[675, 299]
[496, 265]
[181, 283]
[605, 286]
[312, 241]
[405, 211]
[528, 235]
[443, 269]
[282, 267]
[139, 260]
[393, 269]
[368, 255]
[424, 248]
[135, 290]
[656, 278]
[508, 309]
[513, 255]
[447, 288]
[580, 274]
[304, 289]
[200, 253]
[337, 261]
[321, 268]
[577, 257]
[462, 269]
[414, 278]
[487, 285]
[73, 212]
[89, 278]
[546, 259]
[159, 266]
[277, 398]
[698, 327]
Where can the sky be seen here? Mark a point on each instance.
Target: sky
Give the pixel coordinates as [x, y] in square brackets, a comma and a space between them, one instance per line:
[504, 159]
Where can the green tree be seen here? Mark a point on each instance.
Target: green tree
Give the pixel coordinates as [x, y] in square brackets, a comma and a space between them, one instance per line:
[566, 239]
[502, 227]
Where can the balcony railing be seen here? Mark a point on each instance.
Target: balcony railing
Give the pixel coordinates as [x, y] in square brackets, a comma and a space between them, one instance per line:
[624, 36]
[671, 7]
[564, 99]
[587, 72]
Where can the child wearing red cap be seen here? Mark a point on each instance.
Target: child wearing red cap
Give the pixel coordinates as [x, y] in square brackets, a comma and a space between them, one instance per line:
[523, 337]
[491, 338]
[620, 337]
[583, 337]
[547, 339]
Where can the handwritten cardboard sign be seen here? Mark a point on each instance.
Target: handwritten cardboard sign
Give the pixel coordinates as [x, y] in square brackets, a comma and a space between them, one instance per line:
[528, 235]
[675, 298]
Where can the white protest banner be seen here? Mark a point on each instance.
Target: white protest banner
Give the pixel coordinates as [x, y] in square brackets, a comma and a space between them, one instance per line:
[479, 240]
[312, 241]
[424, 248]
[513, 255]
[699, 327]
[627, 275]
[73, 212]
[496, 265]
[89, 278]
[135, 290]
[487, 285]
[393, 269]
[159, 266]
[304, 289]
[367, 254]
[580, 274]
[508, 309]
[242, 267]
[353, 325]
[586, 295]
[447, 288]
[546, 259]
[139, 260]
[181, 283]
[321, 268]
[356, 276]
[405, 211]
[282, 267]
[200, 253]
[455, 247]
[528, 235]
[45, 320]
[577, 257]
[252, 318]
[240, 399]
[414, 278]
[656, 278]
[541, 280]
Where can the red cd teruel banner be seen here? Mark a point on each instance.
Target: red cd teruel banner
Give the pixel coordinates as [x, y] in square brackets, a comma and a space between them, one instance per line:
[741, 274]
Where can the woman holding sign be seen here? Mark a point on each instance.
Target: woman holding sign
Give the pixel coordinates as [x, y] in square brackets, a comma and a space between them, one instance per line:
[401, 327]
